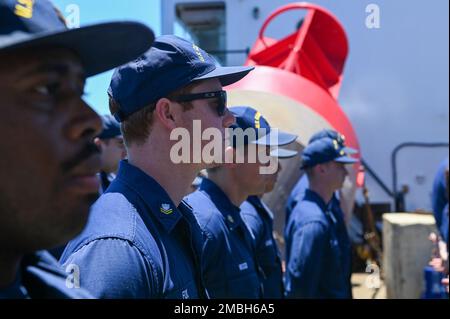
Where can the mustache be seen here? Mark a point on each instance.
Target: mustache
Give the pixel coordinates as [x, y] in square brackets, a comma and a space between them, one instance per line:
[87, 151]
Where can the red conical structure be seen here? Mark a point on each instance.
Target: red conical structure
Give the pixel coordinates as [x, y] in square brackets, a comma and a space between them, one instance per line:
[296, 85]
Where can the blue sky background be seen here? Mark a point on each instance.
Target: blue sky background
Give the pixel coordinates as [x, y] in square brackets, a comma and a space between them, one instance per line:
[145, 11]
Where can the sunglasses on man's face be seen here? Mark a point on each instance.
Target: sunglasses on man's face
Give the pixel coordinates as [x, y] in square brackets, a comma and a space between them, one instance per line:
[220, 96]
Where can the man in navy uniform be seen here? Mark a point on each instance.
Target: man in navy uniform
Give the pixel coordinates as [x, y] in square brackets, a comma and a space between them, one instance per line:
[110, 142]
[47, 132]
[439, 198]
[230, 268]
[140, 238]
[313, 256]
[445, 225]
[259, 219]
[298, 192]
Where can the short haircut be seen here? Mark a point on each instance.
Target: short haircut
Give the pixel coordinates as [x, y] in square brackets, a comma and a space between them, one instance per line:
[136, 128]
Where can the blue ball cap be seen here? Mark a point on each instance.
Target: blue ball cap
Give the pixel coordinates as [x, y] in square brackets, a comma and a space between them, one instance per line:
[170, 64]
[340, 138]
[325, 150]
[249, 118]
[31, 24]
[111, 128]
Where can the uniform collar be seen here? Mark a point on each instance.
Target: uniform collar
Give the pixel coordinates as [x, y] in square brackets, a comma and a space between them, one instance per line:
[230, 212]
[312, 196]
[154, 196]
[260, 206]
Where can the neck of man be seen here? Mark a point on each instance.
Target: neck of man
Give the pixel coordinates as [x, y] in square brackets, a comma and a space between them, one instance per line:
[153, 158]
[9, 266]
[229, 186]
[324, 191]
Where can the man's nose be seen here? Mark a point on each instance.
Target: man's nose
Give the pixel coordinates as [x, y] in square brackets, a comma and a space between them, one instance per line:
[86, 123]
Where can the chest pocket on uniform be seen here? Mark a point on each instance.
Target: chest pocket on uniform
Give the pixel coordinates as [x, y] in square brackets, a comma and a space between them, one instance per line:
[243, 280]
[267, 255]
[335, 257]
[238, 277]
[240, 280]
[335, 249]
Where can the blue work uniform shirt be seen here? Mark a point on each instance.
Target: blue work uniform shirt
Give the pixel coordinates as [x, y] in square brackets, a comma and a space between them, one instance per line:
[313, 256]
[439, 196]
[259, 219]
[445, 225]
[41, 277]
[228, 257]
[137, 243]
[297, 194]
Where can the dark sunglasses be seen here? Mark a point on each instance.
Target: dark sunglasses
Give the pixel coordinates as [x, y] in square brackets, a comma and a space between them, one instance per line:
[221, 97]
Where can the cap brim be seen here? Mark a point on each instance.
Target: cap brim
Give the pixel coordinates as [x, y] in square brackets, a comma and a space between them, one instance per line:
[350, 151]
[227, 74]
[101, 47]
[276, 138]
[283, 153]
[346, 160]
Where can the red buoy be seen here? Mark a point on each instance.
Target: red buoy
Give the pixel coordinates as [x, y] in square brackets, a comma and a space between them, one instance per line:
[295, 85]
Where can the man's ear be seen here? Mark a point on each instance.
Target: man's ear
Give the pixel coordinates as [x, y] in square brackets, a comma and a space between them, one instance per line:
[164, 112]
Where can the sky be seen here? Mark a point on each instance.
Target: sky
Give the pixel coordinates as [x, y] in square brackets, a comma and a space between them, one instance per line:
[145, 11]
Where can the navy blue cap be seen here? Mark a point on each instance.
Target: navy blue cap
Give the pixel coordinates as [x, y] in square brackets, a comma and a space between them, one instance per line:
[170, 64]
[247, 117]
[111, 128]
[101, 47]
[325, 150]
[340, 138]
